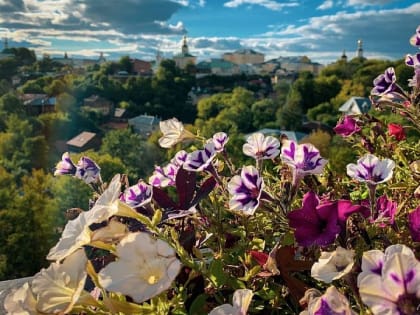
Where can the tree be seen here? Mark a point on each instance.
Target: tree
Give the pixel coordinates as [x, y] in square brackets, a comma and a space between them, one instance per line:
[136, 154]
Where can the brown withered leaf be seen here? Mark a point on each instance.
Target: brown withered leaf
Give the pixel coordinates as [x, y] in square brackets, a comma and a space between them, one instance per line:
[287, 264]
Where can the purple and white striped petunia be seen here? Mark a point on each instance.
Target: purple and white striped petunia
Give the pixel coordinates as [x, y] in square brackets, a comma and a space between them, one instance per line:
[390, 282]
[304, 158]
[415, 39]
[65, 166]
[199, 160]
[261, 147]
[137, 195]
[385, 83]
[245, 190]
[413, 61]
[371, 170]
[165, 176]
[88, 170]
[331, 302]
[220, 139]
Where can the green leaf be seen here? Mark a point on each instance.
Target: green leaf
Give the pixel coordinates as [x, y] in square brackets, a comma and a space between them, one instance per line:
[216, 273]
[197, 307]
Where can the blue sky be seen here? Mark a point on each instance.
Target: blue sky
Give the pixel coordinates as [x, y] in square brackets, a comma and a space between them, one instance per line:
[320, 29]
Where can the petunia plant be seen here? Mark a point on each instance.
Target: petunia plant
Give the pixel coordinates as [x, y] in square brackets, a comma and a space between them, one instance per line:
[279, 234]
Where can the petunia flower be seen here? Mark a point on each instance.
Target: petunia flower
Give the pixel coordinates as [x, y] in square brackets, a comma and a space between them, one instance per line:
[144, 268]
[347, 127]
[371, 170]
[173, 132]
[414, 224]
[333, 265]
[331, 302]
[386, 210]
[245, 190]
[304, 159]
[199, 160]
[415, 39]
[165, 176]
[21, 300]
[59, 287]
[314, 223]
[88, 170]
[396, 131]
[390, 283]
[384, 83]
[240, 304]
[77, 232]
[261, 147]
[65, 166]
[413, 60]
[137, 195]
[220, 139]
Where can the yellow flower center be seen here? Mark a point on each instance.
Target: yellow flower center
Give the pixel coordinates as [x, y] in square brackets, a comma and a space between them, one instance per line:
[152, 273]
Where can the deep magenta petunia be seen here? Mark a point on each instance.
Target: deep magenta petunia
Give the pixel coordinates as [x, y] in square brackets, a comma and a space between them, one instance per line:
[347, 127]
[315, 223]
[414, 224]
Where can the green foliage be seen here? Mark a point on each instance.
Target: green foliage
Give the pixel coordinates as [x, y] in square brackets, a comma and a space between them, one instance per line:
[137, 155]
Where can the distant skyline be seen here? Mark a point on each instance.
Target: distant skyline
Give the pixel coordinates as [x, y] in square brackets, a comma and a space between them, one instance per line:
[320, 30]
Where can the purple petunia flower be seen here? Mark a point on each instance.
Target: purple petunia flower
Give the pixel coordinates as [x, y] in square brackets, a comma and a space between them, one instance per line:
[65, 166]
[137, 195]
[345, 208]
[386, 210]
[220, 139]
[165, 176]
[199, 160]
[415, 39]
[413, 61]
[261, 147]
[88, 170]
[384, 83]
[414, 224]
[245, 190]
[347, 127]
[315, 223]
[371, 170]
[304, 159]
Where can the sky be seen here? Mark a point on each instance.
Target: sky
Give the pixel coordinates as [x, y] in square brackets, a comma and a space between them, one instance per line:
[320, 30]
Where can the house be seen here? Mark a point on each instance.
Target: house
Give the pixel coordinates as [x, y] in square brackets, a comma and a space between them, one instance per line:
[83, 142]
[141, 67]
[37, 104]
[144, 124]
[244, 56]
[99, 104]
[356, 105]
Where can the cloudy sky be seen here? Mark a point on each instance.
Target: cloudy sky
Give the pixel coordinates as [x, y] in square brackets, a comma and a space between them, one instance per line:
[319, 29]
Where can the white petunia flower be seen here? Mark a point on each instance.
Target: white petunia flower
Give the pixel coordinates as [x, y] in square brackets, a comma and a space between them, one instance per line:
[77, 232]
[390, 282]
[371, 169]
[261, 147]
[333, 265]
[21, 301]
[240, 304]
[173, 133]
[145, 267]
[59, 287]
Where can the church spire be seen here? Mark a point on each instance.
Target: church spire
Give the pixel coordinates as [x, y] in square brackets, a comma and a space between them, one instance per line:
[184, 45]
[344, 56]
[359, 52]
[6, 43]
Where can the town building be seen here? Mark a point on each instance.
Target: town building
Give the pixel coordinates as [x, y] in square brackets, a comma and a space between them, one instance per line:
[144, 125]
[244, 56]
[356, 105]
[83, 142]
[184, 57]
[37, 104]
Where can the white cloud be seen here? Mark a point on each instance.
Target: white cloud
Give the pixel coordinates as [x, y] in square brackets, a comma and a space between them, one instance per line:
[365, 3]
[328, 4]
[269, 4]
